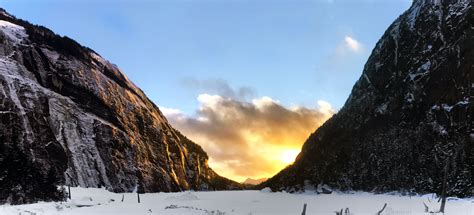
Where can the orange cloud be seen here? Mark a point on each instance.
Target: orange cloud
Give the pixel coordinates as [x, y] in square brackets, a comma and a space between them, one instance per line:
[248, 139]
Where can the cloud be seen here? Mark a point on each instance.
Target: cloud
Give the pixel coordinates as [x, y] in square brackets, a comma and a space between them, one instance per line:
[248, 138]
[170, 111]
[349, 46]
[219, 87]
[347, 52]
[352, 44]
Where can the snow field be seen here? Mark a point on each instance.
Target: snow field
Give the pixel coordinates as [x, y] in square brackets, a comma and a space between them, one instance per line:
[100, 201]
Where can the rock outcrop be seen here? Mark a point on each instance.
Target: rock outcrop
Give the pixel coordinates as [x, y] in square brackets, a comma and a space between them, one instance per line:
[409, 116]
[70, 114]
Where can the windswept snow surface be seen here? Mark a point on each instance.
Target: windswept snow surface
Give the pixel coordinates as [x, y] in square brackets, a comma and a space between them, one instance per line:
[98, 201]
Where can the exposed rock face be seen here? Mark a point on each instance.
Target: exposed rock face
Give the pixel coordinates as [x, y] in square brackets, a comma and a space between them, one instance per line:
[409, 113]
[73, 113]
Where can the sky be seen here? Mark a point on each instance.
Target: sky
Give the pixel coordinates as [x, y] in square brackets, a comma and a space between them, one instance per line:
[247, 80]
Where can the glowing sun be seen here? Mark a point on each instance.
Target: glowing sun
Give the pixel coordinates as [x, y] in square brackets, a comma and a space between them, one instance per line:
[289, 156]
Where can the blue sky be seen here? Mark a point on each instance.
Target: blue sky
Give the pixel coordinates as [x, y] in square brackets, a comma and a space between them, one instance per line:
[247, 80]
[292, 51]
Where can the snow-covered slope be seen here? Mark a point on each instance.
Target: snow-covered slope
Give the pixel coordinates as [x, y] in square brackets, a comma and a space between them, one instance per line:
[409, 116]
[97, 202]
[70, 116]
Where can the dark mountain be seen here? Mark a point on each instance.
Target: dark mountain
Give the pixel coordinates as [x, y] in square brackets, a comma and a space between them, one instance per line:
[68, 116]
[409, 115]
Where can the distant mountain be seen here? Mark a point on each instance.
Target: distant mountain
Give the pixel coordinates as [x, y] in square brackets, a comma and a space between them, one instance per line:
[254, 181]
[68, 116]
[409, 116]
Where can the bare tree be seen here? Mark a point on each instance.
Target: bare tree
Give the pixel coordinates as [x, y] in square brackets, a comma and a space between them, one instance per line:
[451, 147]
[445, 185]
[380, 211]
[304, 209]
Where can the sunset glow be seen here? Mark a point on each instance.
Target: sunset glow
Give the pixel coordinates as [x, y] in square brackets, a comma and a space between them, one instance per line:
[249, 139]
[289, 156]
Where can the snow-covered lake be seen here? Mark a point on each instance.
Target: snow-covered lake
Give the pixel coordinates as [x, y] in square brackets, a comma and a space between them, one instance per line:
[99, 201]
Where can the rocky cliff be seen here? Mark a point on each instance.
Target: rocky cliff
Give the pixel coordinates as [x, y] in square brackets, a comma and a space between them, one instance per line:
[409, 116]
[69, 116]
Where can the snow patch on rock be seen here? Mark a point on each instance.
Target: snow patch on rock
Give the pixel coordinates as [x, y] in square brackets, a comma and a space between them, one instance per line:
[266, 190]
[382, 108]
[13, 32]
[412, 16]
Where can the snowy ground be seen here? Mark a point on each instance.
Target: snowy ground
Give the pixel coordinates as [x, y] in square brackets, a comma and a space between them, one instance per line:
[98, 201]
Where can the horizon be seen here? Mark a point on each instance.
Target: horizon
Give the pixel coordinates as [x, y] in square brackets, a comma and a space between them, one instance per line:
[297, 60]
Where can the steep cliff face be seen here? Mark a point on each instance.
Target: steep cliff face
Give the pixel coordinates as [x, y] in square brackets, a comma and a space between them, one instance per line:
[74, 115]
[409, 115]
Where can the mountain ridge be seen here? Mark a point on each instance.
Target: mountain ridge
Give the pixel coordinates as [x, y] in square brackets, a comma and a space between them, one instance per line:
[408, 116]
[74, 118]
[251, 181]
